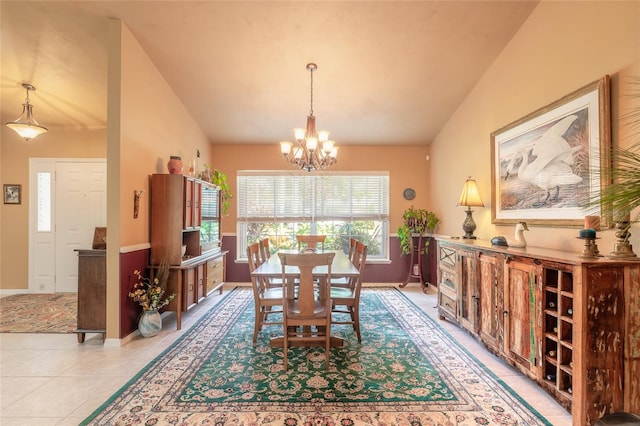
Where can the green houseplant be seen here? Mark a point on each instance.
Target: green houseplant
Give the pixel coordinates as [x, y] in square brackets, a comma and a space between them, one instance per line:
[415, 221]
[618, 199]
[219, 179]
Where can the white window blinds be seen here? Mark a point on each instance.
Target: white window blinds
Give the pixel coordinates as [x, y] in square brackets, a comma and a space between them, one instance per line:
[265, 196]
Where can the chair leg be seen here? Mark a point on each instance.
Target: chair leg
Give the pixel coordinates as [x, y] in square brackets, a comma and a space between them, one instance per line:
[327, 346]
[257, 326]
[356, 324]
[285, 347]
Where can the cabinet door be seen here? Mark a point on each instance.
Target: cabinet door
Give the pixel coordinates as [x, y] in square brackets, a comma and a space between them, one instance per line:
[201, 281]
[188, 203]
[197, 204]
[491, 297]
[599, 344]
[468, 290]
[520, 314]
[447, 283]
[190, 277]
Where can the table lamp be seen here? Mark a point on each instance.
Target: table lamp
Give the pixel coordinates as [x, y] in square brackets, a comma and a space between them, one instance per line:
[470, 198]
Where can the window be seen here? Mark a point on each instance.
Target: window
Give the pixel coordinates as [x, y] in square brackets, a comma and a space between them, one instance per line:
[340, 205]
[43, 201]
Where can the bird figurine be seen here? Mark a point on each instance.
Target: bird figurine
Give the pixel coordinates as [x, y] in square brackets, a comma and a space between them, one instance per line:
[518, 240]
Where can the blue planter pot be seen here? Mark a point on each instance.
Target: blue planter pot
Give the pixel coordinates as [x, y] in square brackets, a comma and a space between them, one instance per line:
[150, 323]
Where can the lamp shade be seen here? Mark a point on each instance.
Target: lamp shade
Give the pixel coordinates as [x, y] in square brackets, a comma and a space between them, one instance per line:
[470, 196]
[27, 126]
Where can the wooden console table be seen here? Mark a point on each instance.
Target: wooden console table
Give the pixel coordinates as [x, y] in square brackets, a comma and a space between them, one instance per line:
[569, 323]
[92, 293]
[193, 280]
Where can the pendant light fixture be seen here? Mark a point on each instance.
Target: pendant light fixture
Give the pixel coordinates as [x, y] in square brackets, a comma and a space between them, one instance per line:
[27, 126]
[313, 150]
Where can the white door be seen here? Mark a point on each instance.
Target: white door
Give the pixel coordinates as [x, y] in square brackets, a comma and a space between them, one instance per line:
[78, 205]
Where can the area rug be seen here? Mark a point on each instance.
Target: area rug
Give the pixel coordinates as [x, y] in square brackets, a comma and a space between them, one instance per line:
[406, 371]
[39, 313]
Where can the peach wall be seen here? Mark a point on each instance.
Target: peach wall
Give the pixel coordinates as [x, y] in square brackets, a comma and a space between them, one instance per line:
[154, 126]
[147, 124]
[14, 219]
[407, 167]
[560, 48]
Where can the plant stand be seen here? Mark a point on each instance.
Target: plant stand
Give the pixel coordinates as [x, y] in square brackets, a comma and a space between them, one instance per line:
[415, 266]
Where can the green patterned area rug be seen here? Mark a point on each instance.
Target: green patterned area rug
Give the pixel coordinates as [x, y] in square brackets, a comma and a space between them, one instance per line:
[407, 371]
[39, 313]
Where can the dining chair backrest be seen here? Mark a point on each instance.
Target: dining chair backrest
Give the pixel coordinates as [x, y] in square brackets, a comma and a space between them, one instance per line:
[265, 251]
[352, 248]
[254, 259]
[311, 241]
[306, 294]
[359, 260]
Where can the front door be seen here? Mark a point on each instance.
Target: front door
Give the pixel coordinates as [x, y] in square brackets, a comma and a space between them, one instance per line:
[77, 205]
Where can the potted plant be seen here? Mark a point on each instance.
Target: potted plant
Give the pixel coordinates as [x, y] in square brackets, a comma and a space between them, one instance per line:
[150, 296]
[415, 221]
[219, 179]
[619, 199]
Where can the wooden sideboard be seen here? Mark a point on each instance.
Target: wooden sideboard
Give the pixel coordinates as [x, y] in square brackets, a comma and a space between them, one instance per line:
[569, 323]
[92, 293]
[194, 280]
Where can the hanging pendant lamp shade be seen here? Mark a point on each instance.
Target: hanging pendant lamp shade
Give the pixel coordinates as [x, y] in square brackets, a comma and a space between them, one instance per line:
[27, 126]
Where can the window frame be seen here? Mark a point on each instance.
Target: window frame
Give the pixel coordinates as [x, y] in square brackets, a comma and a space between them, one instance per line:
[315, 199]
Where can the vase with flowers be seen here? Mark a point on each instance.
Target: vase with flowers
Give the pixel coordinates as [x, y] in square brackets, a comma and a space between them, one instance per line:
[150, 295]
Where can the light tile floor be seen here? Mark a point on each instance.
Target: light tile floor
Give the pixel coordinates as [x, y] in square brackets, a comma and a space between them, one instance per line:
[50, 379]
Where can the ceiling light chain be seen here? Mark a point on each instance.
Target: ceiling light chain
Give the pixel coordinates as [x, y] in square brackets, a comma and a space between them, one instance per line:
[307, 155]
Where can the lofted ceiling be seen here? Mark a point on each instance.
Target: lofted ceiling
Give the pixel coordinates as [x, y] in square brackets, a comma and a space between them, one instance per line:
[389, 72]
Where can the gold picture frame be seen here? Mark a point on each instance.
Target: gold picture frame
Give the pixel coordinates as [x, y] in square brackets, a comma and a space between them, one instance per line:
[546, 166]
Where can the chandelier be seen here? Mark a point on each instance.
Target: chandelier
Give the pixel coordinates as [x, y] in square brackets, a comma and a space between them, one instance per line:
[313, 150]
[27, 126]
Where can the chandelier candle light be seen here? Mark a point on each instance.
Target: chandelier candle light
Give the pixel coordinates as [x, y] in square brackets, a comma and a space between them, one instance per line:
[470, 197]
[27, 126]
[306, 154]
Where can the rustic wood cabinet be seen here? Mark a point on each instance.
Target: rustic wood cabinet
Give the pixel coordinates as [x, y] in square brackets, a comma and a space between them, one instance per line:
[519, 313]
[571, 324]
[92, 293]
[491, 295]
[468, 293]
[185, 230]
[447, 279]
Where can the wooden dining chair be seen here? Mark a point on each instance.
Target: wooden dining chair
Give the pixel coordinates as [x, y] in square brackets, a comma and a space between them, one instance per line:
[307, 314]
[311, 241]
[265, 297]
[265, 254]
[344, 281]
[265, 250]
[347, 300]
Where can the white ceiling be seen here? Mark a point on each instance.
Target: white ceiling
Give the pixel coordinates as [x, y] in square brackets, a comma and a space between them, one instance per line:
[389, 72]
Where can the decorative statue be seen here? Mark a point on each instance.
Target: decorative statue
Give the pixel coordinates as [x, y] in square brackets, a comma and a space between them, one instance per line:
[518, 240]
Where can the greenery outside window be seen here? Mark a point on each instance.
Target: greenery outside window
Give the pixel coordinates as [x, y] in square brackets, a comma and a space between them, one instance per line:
[340, 205]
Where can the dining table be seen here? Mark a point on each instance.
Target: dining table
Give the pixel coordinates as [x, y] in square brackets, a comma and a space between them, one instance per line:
[272, 268]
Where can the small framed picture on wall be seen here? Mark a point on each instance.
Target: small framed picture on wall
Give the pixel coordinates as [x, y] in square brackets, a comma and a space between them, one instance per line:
[12, 193]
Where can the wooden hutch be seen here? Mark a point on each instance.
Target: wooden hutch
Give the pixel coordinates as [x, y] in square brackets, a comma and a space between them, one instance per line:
[185, 230]
[571, 324]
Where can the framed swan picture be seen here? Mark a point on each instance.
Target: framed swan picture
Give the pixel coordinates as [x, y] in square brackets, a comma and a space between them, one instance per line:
[546, 166]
